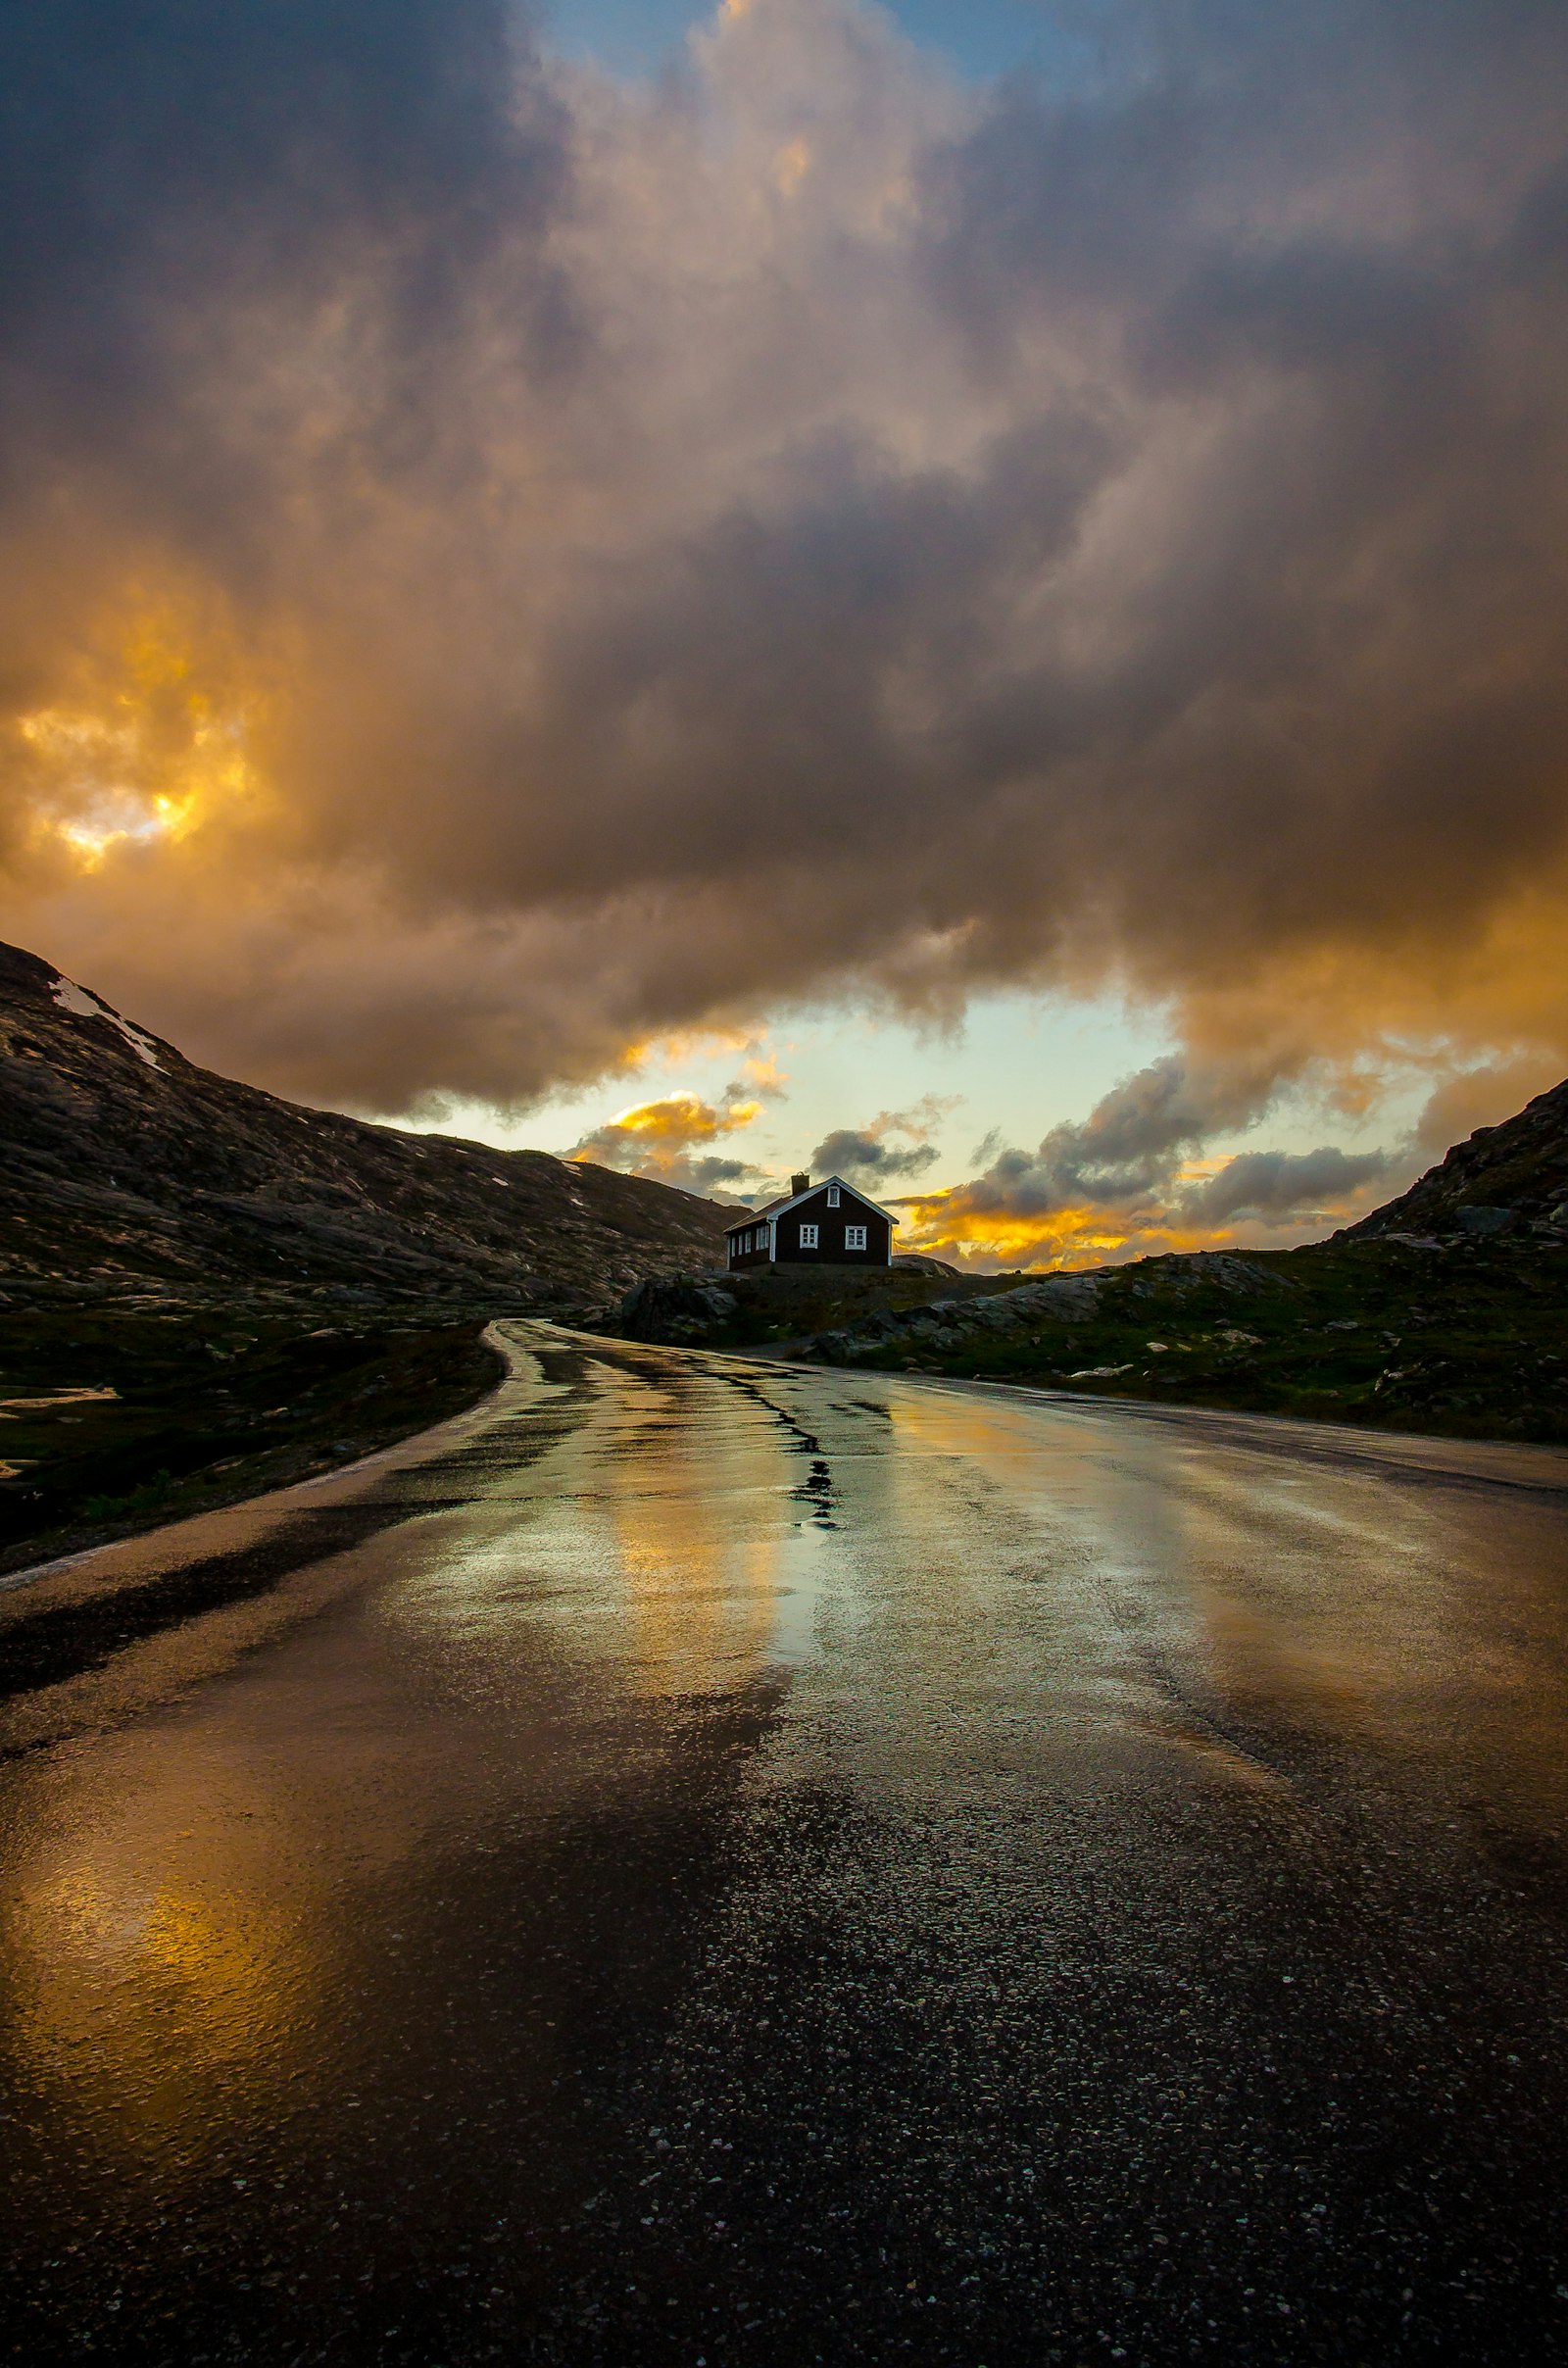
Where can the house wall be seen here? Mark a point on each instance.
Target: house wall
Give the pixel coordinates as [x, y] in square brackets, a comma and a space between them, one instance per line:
[749, 1257]
[830, 1224]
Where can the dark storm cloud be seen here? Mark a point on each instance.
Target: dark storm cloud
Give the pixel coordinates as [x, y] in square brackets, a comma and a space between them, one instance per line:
[807, 528]
[164, 166]
[1328, 242]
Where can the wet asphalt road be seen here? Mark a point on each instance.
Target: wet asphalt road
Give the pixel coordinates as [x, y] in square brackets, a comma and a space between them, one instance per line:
[716, 1863]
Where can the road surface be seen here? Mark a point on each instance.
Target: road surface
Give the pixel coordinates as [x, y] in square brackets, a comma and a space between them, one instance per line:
[711, 1863]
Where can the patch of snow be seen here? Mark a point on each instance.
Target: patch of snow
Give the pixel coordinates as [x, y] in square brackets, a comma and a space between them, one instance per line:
[54, 1397]
[72, 998]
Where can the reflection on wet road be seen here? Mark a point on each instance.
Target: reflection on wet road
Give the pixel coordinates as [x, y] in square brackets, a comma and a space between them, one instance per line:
[710, 1861]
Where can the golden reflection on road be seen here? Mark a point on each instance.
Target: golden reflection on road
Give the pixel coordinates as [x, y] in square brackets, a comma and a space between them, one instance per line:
[1362, 1597]
[156, 1958]
[666, 1538]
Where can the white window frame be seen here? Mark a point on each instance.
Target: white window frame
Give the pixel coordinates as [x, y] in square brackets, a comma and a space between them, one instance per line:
[855, 1237]
[832, 1196]
[809, 1237]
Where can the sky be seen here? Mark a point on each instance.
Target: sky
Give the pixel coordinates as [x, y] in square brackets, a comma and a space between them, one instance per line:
[978, 39]
[976, 594]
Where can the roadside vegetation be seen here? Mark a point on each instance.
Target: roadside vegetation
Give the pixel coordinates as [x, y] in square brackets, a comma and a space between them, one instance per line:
[109, 1423]
[1470, 1339]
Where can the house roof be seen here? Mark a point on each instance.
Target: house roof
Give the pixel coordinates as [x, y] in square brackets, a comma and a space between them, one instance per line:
[793, 1200]
[751, 1214]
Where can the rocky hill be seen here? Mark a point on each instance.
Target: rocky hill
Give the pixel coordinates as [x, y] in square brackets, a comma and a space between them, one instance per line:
[134, 1178]
[1508, 1179]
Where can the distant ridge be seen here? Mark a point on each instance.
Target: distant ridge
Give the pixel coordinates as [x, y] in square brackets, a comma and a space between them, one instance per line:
[1508, 1179]
[130, 1175]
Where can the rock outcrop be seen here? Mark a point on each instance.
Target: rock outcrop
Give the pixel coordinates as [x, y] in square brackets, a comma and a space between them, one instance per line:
[131, 1175]
[675, 1309]
[946, 1323]
[1508, 1180]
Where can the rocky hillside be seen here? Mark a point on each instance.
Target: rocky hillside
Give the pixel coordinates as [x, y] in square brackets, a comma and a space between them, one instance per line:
[1508, 1179]
[131, 1177]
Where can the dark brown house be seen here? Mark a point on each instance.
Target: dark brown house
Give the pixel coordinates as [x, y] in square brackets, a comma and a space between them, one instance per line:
[826, 1224]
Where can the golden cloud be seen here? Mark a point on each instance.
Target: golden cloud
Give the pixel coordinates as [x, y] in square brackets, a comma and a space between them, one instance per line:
[660, 1139]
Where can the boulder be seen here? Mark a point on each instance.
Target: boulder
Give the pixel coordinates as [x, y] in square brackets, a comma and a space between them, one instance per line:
[1063, 1299]
[676, 1309]
[1481, 1222]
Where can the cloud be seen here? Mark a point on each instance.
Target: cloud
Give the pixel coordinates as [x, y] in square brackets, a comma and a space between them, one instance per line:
[759, 1073]
[499, 565]
[657, 1139]
[1282, 1188]
[865, 1151]
[1128, 1148]
[1120, 1184]
[1480, 1097]
[849, 1152]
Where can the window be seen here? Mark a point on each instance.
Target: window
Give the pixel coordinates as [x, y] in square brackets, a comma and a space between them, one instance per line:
[832, 1196]
[808, 1237]
[855, 1237]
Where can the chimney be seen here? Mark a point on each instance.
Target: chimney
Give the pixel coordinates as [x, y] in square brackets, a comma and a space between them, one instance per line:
[800, 1183]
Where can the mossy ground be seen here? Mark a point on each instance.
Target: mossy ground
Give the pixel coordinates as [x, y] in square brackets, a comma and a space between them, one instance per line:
[143, 1418]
